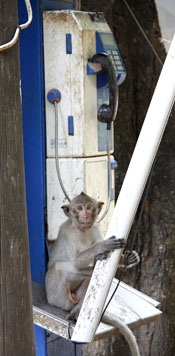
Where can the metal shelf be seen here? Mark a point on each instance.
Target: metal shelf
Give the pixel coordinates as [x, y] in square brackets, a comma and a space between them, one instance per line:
[131, 306]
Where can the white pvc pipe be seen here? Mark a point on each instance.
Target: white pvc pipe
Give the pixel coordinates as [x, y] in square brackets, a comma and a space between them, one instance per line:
[129, 197]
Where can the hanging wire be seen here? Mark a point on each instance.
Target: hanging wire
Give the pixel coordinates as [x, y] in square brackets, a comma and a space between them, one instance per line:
[19, 28]
[143, 32]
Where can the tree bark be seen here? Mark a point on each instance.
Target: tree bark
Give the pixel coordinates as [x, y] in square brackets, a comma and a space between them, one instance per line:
[16, 323]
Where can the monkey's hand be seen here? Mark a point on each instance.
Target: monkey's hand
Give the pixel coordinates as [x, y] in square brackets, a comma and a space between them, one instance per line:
[101, 257]
[108, 245]
[129, 259]
[113, 243]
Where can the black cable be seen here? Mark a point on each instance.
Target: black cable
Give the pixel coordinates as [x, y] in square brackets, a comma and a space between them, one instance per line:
[109, 301]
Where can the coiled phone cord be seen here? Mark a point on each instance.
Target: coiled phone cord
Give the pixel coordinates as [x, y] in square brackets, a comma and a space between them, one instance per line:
[109, 163]
[109, 178]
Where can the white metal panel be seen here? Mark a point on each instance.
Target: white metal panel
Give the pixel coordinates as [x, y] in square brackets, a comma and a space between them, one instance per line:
[67, 73]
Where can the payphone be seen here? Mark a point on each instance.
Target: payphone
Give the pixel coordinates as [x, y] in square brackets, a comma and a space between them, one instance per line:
[83, 69]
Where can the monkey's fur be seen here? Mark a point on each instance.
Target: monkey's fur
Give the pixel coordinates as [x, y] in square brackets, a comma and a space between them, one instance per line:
[79, 245]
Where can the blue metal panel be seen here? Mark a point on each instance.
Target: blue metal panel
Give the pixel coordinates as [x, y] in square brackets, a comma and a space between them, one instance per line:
[40, 338]
[34, 139]
[34, 147]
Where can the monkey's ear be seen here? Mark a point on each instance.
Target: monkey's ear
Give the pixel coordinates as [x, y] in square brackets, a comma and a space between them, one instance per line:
[66, 210]
[99, 206]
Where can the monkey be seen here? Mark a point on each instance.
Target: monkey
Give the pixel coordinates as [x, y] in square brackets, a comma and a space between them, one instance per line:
[80, 243]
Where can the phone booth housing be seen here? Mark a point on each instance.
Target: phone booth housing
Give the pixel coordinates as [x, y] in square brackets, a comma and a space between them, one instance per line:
[71, 39]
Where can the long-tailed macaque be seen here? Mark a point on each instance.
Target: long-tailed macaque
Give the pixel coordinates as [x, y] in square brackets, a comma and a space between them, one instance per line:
[79, 245]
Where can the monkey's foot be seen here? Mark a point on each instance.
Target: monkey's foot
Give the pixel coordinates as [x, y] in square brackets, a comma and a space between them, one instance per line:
[131, 258]
[72, 318]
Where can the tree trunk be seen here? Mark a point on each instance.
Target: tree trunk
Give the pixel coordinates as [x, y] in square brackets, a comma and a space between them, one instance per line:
[153, 236]
[16, 323]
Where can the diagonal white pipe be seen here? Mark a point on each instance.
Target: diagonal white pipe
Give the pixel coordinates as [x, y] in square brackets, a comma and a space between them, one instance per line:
[129, 197]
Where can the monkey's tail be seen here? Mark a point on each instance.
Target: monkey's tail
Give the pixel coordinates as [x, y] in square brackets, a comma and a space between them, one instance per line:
[125, 331]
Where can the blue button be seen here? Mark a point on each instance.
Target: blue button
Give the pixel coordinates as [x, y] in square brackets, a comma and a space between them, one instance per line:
[68, 43]
[70, 125]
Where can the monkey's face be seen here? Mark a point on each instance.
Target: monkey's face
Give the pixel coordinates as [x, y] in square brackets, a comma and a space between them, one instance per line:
[83, 215]
[82, 211]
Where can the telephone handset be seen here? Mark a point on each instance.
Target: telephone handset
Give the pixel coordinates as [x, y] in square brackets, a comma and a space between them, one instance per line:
[110, 72]
[107, 112]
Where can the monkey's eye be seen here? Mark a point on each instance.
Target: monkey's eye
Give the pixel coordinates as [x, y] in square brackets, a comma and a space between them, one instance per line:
[89, 207]
[79, 208]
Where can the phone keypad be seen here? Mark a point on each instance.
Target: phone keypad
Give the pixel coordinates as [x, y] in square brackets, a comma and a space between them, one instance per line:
[115, 57]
